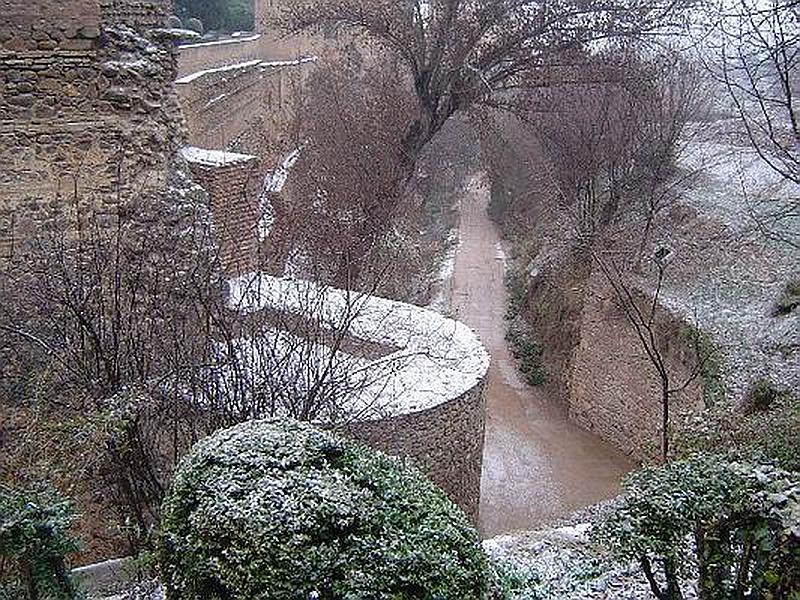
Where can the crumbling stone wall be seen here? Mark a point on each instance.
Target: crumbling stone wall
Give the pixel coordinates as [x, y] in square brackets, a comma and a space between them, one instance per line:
[230, 87]
[138, 14]
[612, 387]
[445, 441]
[45, 25]
[233, 191]
[88, 115]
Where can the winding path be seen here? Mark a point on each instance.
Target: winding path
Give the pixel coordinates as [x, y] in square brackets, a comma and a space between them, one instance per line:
[537, 465]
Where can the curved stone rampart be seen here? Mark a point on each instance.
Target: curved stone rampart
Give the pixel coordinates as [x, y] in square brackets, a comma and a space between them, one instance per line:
[445, 441]
[425, 403]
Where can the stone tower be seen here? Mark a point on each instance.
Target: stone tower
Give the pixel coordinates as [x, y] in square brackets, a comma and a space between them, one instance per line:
[88, 108]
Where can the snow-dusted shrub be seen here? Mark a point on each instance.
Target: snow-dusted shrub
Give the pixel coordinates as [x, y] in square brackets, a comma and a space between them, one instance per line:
[280, 509]
[764, 431]
[34, 543]
[737, 525]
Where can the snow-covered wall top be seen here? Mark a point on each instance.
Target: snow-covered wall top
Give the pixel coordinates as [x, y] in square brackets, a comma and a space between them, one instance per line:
[431, 359]
[214, 158]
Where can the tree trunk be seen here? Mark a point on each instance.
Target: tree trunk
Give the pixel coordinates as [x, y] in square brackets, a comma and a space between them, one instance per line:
[665, 422]
[647, 567]
[673, 585]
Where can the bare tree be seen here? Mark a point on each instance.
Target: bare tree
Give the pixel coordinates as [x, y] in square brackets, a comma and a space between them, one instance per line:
[612, 135]
[642, 316]
[753, 49]
[457, 53]
[349, 206]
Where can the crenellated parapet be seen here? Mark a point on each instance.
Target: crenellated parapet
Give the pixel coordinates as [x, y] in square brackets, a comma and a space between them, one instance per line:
[138, 14]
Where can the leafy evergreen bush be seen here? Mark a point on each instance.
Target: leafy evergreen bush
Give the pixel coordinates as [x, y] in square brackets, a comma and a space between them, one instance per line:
[223, 15]
[34, 541]
[736, 524]
[528, 352]
[279, 509]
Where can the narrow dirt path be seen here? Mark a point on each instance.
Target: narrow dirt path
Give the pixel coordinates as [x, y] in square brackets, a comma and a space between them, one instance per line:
[537, 465]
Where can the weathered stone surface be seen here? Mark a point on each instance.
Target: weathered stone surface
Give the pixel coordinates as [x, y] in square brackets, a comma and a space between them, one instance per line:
[445, 441]
[62, 121]
[613, 390]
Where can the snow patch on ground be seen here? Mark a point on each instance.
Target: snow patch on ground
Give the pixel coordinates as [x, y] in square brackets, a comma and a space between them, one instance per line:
[274, 183]
[726, 274]
[442, 297]
[564, 564]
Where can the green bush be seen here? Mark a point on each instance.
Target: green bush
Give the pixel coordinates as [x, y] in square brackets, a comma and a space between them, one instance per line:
[736, 525]
[34, 542]
[279, 509]
[710, 361]
[528, 352]
[517, 293]
[222, 15]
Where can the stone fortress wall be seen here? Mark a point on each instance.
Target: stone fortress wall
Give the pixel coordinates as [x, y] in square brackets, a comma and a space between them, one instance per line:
[88, 116]
[229, 87]
[612, 387]
[427, 405]
[236, 95]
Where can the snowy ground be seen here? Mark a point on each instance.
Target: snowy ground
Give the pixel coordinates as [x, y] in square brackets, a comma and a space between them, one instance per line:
[443, 286]
[563, 564]
[727, 272]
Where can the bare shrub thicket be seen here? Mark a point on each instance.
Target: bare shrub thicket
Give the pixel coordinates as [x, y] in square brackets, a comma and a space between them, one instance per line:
[347, 186]
[120, 350]
[352, 215]
[752, 49]
[612, 142]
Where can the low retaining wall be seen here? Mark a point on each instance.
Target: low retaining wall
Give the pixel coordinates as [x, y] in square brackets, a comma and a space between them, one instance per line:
[445, 441]
[209, 55]
[613, 390]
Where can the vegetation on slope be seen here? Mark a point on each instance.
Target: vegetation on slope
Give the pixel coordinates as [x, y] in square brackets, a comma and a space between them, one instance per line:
[34, 542]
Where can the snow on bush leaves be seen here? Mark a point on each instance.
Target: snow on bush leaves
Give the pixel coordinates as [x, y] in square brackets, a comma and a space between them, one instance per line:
[279, 509]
